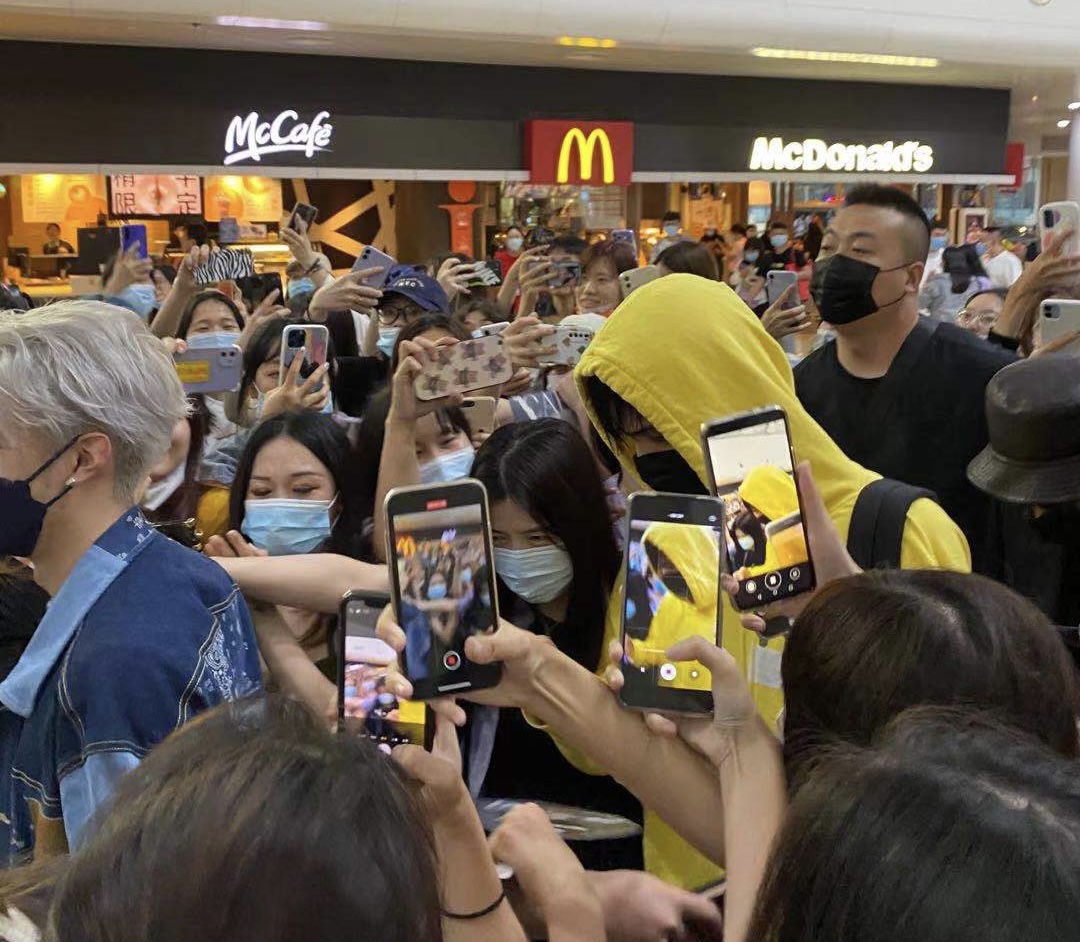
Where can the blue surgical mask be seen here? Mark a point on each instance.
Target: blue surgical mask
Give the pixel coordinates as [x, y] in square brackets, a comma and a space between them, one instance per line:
[436, 593]
[387, 341]
[751, 256]
[980, 249]
[538, 574]
[671, 228]
[299, 286]
[937, 243]
[140, 298]
[217, 338]
[514, 244]
[452, 466]
[779, 240]
[285, 527]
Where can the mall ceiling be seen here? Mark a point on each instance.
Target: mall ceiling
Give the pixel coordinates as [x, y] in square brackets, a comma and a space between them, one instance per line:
[1029, 46]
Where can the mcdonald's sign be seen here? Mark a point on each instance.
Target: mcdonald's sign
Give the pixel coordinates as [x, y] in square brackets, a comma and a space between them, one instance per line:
[580, 152]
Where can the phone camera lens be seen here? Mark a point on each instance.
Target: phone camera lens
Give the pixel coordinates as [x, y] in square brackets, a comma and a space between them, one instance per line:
[1052, 312]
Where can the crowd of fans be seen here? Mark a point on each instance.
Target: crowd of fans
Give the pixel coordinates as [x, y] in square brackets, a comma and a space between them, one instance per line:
[900, 762]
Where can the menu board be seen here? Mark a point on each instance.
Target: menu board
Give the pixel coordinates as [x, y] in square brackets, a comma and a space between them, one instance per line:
[248, 199]
[62, 197]
[141, 194]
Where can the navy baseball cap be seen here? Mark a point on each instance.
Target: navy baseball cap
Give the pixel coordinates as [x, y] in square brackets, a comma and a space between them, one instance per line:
[419, 287]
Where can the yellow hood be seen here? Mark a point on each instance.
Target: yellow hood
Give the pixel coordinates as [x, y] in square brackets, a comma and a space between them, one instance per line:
[683, 350]
[771, 491]
[695, 556]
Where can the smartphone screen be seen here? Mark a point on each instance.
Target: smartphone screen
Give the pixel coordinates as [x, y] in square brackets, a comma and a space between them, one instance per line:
[311, 340]
[365, 707]
[440, 546]
[304, 211]
[752, 472]
[672, 589]
[777, 282]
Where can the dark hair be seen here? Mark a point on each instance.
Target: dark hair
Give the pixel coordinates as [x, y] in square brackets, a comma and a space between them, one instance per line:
[514, 225]
[209, 294]
[917, 242]
[962, 263]
[298, 833]
[427, 321]
[570, 244]
[1002, 293]
[868, 647]
[197, 232]
[937, 223]
[672, 215]
[546, 468]
[739, 229]
[616, 417]
[51, 225]
[260, 348]
[488, 309]
[951, 830]
[754, 243]
[327, 441]
[993, 229]
[691, 258]
[621, 255]
[778, 224]
[168, 271]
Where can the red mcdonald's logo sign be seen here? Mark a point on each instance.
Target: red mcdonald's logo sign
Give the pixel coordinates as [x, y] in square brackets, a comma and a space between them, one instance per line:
[596, 153]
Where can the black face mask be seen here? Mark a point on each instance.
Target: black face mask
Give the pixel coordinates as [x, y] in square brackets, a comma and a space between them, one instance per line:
[1059, 523]
[845, 292]
[668, 471]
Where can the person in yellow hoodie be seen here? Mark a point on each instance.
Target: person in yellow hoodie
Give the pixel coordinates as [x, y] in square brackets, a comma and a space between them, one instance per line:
[679, 352]
[768, 494]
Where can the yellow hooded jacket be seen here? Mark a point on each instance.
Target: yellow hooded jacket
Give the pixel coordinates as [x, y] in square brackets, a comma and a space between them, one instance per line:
[683, 350]
[772, 492]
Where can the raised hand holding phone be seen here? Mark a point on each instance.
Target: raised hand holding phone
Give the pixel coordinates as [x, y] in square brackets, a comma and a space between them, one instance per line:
[349, 292]
[312, 393]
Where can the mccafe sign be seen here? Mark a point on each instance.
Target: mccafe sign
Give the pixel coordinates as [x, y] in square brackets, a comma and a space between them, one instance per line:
[812, 154]
[251, 138]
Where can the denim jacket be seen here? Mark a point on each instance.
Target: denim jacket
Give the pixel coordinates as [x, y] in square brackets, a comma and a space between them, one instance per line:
[143, 635]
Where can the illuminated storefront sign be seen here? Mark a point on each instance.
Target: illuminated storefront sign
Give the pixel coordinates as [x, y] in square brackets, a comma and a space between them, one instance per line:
[248, 138]
[772, 153]
[580, 152]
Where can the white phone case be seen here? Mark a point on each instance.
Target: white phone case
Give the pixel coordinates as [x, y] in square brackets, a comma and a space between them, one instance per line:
[1057, 318]
[1053, 217]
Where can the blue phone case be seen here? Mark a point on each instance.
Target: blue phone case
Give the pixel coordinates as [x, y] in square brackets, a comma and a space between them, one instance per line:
[134, 235]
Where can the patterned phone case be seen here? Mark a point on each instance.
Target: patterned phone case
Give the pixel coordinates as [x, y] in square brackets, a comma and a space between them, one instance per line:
[463, 367]
[570, 344]
[210, 369]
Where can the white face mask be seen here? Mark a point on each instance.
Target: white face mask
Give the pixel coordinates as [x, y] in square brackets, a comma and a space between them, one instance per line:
[160, 491]
[449, 467]
[538, 574]
[214, 338]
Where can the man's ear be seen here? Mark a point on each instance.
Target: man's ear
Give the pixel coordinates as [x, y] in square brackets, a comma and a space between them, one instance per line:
[93, 457]
[915, 277]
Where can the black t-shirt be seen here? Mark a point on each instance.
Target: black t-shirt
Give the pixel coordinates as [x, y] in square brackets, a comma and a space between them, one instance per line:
[927, 434]
[772, 260]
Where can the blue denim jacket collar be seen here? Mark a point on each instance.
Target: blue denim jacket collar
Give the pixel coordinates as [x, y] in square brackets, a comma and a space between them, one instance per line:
[92, 575]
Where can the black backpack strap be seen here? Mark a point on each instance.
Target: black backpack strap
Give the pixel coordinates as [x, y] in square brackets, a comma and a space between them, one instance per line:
[876, 533]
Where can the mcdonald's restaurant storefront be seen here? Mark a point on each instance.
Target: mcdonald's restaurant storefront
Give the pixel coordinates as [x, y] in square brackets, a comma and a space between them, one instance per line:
[418, 157]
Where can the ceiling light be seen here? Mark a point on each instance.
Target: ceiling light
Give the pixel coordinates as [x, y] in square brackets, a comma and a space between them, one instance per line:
[1034, 98]
[1064, 123]
[586, 42]
[1074, 106]
[258, 22]
[860, 58]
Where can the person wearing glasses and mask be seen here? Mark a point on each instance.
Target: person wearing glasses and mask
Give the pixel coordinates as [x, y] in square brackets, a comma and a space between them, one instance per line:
[409, 293]
[900, 394]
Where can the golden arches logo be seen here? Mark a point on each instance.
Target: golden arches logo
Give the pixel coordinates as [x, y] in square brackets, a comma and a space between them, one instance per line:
[585, 148]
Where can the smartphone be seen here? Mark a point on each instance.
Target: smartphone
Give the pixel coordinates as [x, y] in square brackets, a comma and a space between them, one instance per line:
[480, 413]
[492, 330]
[671, 592]
[255, 288]
[1057, 318]
[636, 277]
[443, 582]
[488, 275]
[304, 211]
[751, 467]
[567, 272]
[777, 282]
[312, 339]
[365, 708]
[1053, 217]
[134, 235]
[570, 344]
[463, 367]
[225, 265]
[624, 235]
[371, 257]
[210, 369]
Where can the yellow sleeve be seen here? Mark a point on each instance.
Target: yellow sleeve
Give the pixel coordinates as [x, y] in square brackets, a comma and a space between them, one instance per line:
[932, 540]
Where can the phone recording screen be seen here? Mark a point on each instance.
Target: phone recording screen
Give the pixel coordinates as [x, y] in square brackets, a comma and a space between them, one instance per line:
[444, 584]
[367, 707]
[672, 585]
[764, 540]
